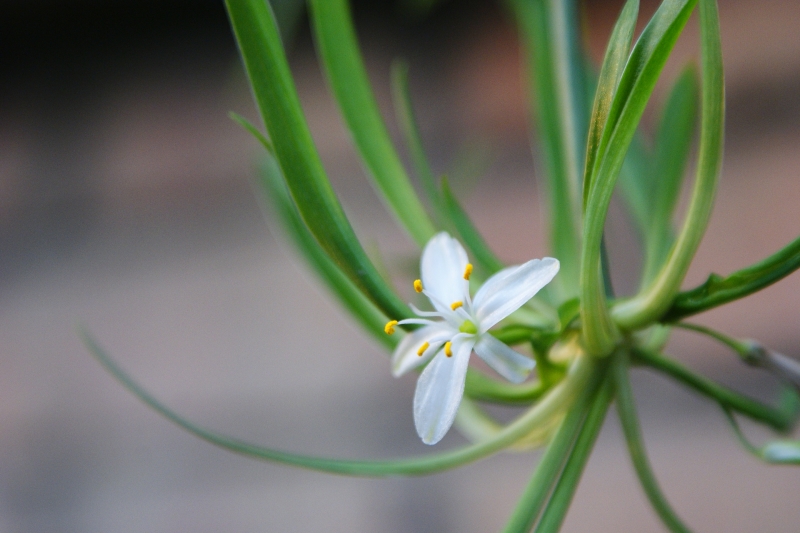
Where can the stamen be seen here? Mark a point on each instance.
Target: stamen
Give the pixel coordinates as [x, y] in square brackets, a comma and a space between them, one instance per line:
[389, 327]
[448, 349]
[456, 305]
[468, 271]
[422, 348]
[418, 285]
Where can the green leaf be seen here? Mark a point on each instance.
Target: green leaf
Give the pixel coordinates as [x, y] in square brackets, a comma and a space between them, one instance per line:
[562, 394]
[252, 130]
[549, 34]
[278, 103]
[653, 302]
[474, 241]
[672, 149]
[633, 437]
[635, 184]
[610, 72]
[717, 290]
[274, 192]
[633, 91]
[404, 111]
[339, 53]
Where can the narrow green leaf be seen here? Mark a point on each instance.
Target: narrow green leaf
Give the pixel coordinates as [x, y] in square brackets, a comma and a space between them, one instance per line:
[550, 37]
[580, 375]
[556, 510]
[778, 419]
[274, 192]
[634, 89]
[672, 148]
[407, 119]
[652, 303]
[252, 130]
[635, 184]
[626, 409]
[276, 96]
[474, 241]
[339, 53]
[610, 72]
[717, 290]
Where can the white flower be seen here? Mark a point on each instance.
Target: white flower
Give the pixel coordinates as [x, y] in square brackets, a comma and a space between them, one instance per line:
[463, 328]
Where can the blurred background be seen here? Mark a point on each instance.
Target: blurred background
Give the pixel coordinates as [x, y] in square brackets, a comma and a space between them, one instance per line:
[126, 205]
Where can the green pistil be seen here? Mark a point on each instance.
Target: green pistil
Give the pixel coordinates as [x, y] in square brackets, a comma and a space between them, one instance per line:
[468, 327]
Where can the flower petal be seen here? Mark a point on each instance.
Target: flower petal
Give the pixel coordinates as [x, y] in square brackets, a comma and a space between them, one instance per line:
[439, 391]
[509, 289]
[442, 265]
[405, 356]
[513, 366]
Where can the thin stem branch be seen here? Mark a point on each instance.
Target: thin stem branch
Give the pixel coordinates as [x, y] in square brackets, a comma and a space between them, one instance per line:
[727, 398]
[633, 437]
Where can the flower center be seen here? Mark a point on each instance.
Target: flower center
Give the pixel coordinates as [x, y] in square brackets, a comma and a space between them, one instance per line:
[468, 327]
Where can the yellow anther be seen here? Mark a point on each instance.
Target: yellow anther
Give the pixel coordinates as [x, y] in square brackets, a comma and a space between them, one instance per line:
[422, 349]
[456, 305]
[418, 285]
[468, 271]
[448, 349]
[389, 327]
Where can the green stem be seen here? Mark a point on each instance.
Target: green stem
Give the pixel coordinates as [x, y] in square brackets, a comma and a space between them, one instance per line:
[556, 510]
[747, 352]
[633, 437]
[481, 387]
[726, 397]
[552, 462]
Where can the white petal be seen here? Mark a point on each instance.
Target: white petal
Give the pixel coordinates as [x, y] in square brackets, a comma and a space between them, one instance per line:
[439, 391]
[405, 355]
[513, 366]
[509, 289]
[442, 265]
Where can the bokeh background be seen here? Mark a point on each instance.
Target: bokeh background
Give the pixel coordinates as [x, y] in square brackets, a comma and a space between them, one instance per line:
[126, 205]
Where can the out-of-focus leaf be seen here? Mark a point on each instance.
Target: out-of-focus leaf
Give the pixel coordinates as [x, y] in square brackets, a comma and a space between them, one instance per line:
[559, 112]
[338, 50]
[473, 240]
